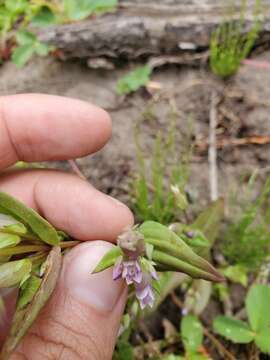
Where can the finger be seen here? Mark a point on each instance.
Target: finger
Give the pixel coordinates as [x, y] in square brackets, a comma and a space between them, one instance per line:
[37, 127]
[69, 203]
[82, 318]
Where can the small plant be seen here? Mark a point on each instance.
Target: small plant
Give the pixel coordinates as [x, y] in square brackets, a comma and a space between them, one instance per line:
[159, 193]
[258, 327]
[16, 16]
[229, 45]
[134, 80]
[28, 45]
[31, 252]
[247, 237]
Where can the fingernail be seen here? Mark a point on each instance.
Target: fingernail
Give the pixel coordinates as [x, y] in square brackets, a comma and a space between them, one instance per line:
[97, 290]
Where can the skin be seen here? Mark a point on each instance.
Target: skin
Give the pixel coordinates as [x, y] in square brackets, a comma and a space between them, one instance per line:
[34, 127]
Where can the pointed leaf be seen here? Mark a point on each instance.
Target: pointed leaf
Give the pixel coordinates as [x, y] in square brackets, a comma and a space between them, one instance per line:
[8, 240]
[38, 225]
[44, 17]
[262, 340]
[13, 272]
[108, 259]
[192, 333]
[26, 315]
[166, 241]
[257, 305]
[235, 330]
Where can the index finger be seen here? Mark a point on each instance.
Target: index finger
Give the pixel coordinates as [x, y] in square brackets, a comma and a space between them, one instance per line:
[37, 127]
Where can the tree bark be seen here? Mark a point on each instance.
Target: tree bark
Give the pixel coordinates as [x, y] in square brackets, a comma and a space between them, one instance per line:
[142, 28]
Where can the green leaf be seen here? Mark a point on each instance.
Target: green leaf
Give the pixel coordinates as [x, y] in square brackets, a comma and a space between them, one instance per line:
[80, 9]
[170, 249]
[22, 54]
[124, 351]
[13, 272]
[28, 216]
[237, 274]
[8, 240]
[26, 315]
[192, 333]
[24, 37]
[42, 49]
[134, 80]
[262, 340]
[257, 305]
[16, 7]
[173, 357]
[44, 17]
[108, 259]
[235, 330]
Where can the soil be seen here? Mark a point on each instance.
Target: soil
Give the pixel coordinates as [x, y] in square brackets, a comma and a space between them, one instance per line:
[243, 111]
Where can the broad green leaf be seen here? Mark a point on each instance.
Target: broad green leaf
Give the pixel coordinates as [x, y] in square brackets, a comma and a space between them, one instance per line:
[28, 216]
[108, 259]
[124, 351]
[262, 340]
[210, 220]
[22, 54]
[237, 274]
[17, 6]
[24, 37]
[26, 315]
[44, 17]
[8, 240]
[257, 305]
[235, 330]
[80, 9]
[192, 333]
[134, 80]
[13, 272]
[41, 49]
[77, 10]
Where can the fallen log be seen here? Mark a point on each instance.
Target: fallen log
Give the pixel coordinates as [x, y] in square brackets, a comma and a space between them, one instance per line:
[141, 28]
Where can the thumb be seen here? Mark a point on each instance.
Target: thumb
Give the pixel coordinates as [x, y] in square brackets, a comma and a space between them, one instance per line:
[82, 318]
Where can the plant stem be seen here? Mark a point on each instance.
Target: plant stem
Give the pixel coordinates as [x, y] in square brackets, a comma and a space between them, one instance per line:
[23, 249]
[68, 244]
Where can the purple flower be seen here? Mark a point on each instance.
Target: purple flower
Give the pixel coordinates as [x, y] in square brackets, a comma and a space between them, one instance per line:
[132, 272]
[118, 268]
[144, 291]
[129, 270]
[145, 295]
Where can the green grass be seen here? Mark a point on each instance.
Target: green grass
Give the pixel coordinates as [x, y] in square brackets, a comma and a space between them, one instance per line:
[247, 235]
[151, 188]
[229, 44]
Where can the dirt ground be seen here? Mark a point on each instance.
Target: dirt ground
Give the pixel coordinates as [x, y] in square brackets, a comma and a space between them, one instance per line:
[243, 111]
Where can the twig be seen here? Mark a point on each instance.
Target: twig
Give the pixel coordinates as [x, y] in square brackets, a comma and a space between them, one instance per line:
[221, 349]
[75, 168]
[224, 142]
[212, 150]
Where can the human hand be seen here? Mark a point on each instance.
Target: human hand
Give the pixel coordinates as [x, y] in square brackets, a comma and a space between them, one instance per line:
[81, 320]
